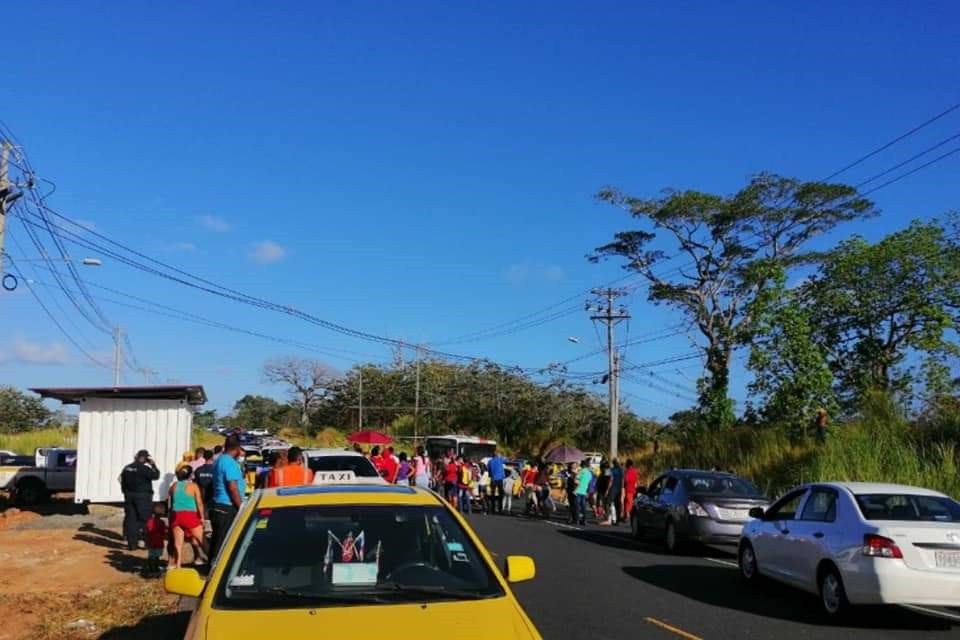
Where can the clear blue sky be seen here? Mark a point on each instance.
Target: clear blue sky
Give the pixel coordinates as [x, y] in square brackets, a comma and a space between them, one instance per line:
[425, 169]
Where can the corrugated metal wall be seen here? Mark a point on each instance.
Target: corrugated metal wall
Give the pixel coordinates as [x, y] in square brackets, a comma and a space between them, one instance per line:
[111, 431]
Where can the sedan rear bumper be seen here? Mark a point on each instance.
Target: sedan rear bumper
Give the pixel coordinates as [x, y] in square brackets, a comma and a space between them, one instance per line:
[709, 531]
[889, 581]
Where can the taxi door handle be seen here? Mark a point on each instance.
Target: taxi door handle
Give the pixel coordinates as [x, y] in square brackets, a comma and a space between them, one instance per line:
[785, 531]
[818, 534]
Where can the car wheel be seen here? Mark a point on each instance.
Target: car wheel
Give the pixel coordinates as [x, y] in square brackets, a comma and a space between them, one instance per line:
[748, 563]
[670, 539]
[31, 492]
[635, 526]
[833, 598]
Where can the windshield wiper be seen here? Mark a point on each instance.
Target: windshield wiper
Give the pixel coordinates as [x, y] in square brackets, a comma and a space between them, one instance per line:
[432, 590]
[342, 598]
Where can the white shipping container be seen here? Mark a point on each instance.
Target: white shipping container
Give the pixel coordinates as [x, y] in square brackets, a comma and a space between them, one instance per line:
[112, 430]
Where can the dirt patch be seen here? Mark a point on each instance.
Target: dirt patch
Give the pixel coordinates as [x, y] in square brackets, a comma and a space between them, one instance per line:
[67, 573]
[132, 609]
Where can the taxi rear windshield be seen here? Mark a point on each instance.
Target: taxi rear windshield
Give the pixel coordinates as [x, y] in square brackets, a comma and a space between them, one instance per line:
[361, 467]
[314, 556]
[907, 507]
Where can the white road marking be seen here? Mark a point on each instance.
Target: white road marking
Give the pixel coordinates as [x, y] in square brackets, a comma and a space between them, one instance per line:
[725, 563]
[564, 525]
[932, 612]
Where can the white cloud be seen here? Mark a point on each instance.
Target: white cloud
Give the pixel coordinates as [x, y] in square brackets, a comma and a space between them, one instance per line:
[215, 224]
[25, 352]
[267, 252]
[524, 272]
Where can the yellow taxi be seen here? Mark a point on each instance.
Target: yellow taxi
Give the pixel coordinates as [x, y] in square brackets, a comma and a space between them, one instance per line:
[354, 561]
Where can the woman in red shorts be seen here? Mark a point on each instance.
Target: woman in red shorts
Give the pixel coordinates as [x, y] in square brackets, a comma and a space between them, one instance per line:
[185, 503]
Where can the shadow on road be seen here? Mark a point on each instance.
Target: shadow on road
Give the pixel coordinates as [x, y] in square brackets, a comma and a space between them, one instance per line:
[59, 505]
[171, 625]
[722, 587]
[620, 539]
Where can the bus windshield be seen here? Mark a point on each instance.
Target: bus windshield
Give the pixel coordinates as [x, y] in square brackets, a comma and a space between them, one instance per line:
[477, 450]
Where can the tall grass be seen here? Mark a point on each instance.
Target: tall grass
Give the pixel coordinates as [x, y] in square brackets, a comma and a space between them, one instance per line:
[880, 446]
[25, 443]
[883, 447]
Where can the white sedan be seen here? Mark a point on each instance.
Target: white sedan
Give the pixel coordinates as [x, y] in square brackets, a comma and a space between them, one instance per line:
[858, 543]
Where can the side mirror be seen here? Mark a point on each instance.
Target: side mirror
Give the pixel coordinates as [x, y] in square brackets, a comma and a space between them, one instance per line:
[183, 582]
[519, 568]
[756, 512]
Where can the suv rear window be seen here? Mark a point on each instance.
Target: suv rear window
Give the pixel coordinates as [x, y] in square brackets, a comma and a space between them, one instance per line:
[361, 467]
[907, 507]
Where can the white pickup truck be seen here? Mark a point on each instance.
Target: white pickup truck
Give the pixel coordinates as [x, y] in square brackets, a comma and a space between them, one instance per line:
[53, 470]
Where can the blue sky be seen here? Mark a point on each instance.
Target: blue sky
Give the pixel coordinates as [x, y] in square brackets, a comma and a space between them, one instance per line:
[422, 170]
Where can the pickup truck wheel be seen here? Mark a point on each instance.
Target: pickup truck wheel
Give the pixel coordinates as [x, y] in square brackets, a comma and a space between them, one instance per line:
[30, 492]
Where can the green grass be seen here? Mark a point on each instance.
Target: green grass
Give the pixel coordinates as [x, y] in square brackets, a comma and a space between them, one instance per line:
[880, 446]
[25, 443]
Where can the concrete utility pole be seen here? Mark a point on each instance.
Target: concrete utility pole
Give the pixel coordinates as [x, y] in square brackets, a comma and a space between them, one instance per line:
[360, 402]
[416, 399]
[603, 310]
[117, 335]
[7, 195]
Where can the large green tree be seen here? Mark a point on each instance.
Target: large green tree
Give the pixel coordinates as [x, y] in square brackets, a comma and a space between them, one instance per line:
[254, 412]
[725, 246]
[792, 380]
[20, 412]
[872, 305]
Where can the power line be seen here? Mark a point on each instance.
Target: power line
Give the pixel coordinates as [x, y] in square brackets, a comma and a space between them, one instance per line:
[892, 142]
[908, 160]
[53, 318]
[912, 171]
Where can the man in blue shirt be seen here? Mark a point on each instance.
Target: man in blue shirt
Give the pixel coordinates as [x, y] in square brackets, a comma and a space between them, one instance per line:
[227, 476]
[495, 468]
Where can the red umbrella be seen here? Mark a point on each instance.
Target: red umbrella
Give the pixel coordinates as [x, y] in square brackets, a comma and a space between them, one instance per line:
[369, 437]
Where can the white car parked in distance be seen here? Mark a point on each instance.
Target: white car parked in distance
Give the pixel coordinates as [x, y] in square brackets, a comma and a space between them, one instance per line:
[857, 543]
[332, 466]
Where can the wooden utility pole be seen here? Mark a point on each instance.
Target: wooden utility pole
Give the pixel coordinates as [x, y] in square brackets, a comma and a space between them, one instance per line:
[5, 194]
[604, 311]
[360, 401]
[416, 400]
[117, 359]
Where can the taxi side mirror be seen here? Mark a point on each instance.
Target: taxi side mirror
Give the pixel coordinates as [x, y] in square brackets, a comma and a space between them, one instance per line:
[519, 568]
[183, 582]
[756, 512]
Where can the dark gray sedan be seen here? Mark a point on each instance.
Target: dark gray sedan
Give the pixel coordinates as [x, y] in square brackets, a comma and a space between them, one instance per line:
[687, 505]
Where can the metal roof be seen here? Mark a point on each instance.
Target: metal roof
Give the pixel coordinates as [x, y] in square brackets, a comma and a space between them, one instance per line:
[192, 393]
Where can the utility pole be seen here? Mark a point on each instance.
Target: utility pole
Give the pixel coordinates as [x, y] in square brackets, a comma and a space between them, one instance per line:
[117, 335]
[7, 195]
[603, 310]
[360, 403]
[416, 399]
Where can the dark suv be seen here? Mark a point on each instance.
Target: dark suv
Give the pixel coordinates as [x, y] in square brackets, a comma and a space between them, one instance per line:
[690, 505]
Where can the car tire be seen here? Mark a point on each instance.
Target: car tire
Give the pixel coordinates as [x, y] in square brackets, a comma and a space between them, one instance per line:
[635, 527]
[833, 597]
[31, 492]
[747, 562]
[670, 538]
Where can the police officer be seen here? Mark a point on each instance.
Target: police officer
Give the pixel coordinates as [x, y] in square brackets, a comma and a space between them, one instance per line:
[136, 482]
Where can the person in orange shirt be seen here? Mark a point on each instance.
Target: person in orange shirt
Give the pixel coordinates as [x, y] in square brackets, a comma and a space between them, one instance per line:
[292, 474]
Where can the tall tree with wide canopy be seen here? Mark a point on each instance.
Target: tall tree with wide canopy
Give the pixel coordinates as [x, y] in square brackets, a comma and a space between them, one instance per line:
[874, 304]
[728, 248]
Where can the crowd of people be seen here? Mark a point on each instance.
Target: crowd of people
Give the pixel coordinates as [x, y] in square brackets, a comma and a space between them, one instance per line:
[210, 486]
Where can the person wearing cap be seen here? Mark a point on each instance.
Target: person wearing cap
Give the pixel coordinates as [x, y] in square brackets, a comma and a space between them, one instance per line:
[136, 483]
[293, 473]
[227, 497]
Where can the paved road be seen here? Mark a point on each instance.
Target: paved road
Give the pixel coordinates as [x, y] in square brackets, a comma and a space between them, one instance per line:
[598, 583]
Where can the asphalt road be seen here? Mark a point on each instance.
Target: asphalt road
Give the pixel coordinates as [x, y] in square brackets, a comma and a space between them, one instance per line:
[598, 583]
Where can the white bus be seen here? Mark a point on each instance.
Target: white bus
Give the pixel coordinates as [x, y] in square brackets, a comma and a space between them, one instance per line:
[469, 447]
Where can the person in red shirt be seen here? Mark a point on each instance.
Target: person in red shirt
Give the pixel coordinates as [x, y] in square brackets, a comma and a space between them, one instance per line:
[377, 459]
[450, 476]
[389, 466]
[156, 529]
[630, 480]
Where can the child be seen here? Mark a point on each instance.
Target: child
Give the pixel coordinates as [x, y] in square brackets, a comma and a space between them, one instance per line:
[483, 488]
[156, 528]
[508, 483]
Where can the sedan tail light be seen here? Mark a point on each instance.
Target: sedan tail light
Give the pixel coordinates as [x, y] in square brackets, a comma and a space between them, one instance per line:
[695, 509]
[880, 547]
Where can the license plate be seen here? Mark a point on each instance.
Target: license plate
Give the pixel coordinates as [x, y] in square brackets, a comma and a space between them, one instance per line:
[948, 559]
[732, 514]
